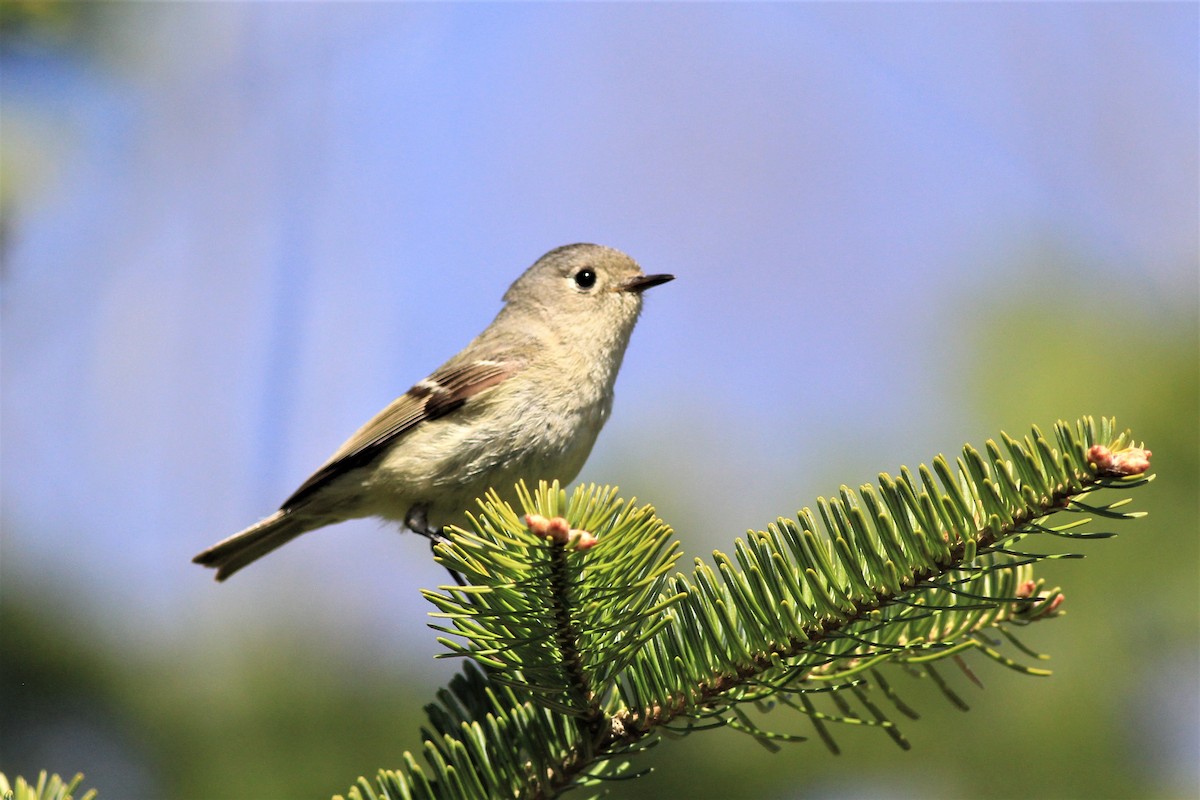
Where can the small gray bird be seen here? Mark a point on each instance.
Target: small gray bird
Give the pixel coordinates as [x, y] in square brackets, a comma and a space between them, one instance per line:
[524, 400]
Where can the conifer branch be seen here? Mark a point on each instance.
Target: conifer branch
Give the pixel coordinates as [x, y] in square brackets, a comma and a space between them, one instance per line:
[588, 650]
[48, 787]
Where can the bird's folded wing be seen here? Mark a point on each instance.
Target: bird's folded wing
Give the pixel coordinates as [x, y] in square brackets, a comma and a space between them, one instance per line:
[440, 394]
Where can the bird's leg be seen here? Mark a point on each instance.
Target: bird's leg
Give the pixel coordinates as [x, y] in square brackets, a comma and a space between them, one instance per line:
[417, 521]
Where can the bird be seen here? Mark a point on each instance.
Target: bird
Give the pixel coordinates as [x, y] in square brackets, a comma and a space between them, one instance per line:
[524, 400]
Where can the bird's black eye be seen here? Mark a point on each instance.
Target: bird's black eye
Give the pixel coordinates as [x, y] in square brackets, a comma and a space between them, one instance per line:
[585, 278]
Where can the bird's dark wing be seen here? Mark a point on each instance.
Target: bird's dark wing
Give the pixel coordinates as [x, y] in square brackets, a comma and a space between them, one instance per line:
[440, 394]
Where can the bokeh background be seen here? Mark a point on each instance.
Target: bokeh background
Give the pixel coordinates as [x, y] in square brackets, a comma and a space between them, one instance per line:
[232, 232]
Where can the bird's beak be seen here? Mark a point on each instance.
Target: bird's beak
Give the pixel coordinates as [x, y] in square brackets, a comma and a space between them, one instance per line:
[643, 282]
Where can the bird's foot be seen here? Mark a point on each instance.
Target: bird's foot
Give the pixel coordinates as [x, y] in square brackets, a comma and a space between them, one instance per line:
[417, 521]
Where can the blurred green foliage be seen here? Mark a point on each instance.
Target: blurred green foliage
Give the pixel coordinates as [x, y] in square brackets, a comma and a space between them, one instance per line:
[197, 723]
[35, 26]
[36, 18]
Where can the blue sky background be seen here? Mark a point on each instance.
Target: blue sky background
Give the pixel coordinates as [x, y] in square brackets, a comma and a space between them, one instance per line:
[241, 229]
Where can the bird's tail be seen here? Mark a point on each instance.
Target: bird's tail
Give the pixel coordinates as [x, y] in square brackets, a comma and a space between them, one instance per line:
[245, 547]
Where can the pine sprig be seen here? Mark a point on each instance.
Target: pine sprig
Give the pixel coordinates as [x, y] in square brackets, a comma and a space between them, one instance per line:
[590, 649]
[48, 787]
[551, 617]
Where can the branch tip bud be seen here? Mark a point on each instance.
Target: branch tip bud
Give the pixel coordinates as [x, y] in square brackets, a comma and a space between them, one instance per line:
[1130, 461]
[557, 529]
